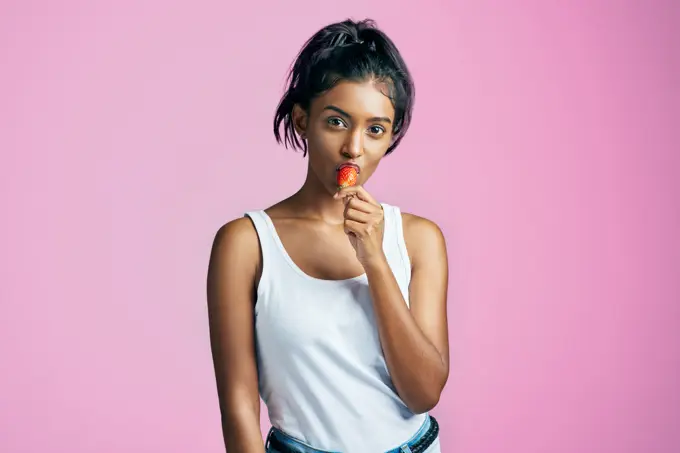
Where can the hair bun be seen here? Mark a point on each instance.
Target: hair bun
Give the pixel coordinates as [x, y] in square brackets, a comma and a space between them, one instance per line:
[349, 33]
[345, 38]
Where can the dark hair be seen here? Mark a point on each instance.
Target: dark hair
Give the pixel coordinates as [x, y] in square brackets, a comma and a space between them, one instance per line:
[346, 50]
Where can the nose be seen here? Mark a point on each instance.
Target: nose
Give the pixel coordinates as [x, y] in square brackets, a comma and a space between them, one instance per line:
[354, 145]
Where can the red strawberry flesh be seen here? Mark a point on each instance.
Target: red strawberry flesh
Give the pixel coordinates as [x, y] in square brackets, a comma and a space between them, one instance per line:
[347, 176]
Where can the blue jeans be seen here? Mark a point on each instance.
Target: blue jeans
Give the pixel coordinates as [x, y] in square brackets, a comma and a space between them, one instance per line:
[297, 446]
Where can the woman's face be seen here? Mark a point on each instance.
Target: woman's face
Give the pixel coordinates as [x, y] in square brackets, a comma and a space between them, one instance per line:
[350, 123]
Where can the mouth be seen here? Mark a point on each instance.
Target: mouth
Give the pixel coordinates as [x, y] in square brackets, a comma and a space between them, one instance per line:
[355, 166]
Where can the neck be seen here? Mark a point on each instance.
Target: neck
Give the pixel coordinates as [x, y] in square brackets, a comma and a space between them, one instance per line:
[314, 201]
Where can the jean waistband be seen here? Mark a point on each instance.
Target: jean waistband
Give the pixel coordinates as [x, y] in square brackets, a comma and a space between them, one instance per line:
[418, 443]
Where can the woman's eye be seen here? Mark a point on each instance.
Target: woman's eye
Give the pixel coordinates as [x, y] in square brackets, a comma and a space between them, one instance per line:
[377, 130]
[336, 122]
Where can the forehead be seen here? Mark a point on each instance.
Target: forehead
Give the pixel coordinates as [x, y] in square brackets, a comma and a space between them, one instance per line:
[361, 99]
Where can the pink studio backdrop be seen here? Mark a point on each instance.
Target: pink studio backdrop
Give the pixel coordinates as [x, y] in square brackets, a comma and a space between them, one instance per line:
[544, 144]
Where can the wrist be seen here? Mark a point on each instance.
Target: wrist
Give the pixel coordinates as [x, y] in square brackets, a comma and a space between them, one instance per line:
[375, 263]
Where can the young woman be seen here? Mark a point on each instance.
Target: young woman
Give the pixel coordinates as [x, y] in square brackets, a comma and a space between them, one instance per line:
[330, 305]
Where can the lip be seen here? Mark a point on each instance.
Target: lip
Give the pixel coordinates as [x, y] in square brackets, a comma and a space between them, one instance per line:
[349, 164]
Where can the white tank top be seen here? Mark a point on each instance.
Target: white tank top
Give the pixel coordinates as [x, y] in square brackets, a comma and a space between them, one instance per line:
[322, 374]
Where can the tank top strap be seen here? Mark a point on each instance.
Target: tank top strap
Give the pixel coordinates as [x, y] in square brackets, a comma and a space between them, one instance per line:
[268, 248]
[395, 245]
[259, 219]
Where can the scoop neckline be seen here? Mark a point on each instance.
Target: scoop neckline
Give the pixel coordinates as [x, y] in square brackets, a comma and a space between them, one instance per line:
[297, 268]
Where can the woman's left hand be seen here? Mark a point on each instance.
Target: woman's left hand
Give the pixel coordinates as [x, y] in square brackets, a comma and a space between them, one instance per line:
[364, 223]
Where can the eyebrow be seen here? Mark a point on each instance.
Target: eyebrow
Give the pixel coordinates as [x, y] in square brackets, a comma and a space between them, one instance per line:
[347, 115]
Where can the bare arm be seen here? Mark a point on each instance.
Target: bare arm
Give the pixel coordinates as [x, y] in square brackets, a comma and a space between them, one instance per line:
[415, 341]
[232, 275]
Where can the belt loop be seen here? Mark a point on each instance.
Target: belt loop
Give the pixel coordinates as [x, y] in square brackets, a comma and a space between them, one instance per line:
[405, 449]
[269, 437]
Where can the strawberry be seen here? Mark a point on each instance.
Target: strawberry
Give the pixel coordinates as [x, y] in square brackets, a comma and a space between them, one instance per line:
[347, 176]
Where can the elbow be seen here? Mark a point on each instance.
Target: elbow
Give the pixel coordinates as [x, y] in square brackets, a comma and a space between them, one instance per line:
[424, 404]
[429, 397]
[426, 401]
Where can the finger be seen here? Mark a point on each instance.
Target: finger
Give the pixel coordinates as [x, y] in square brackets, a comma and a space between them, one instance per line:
[352, 226]
[365, 196]
[346, 191]
[359, 192]
[359, 205]
[356, 215]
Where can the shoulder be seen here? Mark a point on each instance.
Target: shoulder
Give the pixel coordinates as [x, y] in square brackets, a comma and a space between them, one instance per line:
[423, 237]
[236, 234]
[237, 243]
[420, 228]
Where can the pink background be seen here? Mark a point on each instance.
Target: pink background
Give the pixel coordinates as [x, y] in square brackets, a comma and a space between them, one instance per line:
[544, 143]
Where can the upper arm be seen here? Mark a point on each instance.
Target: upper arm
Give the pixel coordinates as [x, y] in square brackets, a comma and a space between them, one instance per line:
[429, 280]
[231, 282]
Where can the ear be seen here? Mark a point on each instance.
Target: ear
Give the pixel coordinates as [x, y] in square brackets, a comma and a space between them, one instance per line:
[300, 119]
